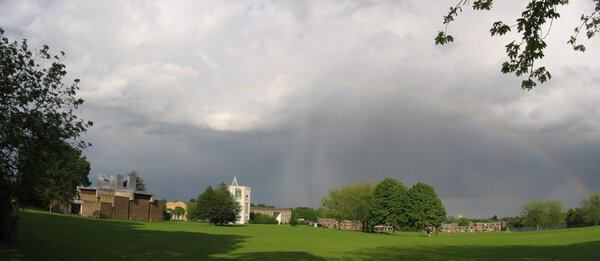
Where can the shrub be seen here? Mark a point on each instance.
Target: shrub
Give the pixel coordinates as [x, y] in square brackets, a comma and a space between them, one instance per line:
[258, 218]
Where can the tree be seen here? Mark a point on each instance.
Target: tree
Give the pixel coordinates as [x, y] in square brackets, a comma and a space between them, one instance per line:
[425, 207]
[536, 213]
[575, 218]
[191, 211]
[463, 221]
[217, 206]
[37, 110]
[522, 54]
[389, 204]
[336, 205]
[556, 216]
[177, 213]
[139, 182]
[305, 213]
[352, 202]
[591, 208]
[517, 221]
[544, 213]
[450, 219]
[261, 205]
[52, 177]
[166, 214]
[258, 218]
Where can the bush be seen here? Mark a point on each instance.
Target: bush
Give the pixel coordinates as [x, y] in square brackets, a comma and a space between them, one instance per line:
[463, 222]
[258, 218]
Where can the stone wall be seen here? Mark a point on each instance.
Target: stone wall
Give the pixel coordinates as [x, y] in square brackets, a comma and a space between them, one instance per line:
[121, 209]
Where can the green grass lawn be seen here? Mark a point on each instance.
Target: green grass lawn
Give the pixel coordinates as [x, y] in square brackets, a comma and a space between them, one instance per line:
[44, 236]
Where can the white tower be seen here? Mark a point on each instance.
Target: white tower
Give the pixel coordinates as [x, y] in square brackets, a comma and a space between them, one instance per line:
[242, 196]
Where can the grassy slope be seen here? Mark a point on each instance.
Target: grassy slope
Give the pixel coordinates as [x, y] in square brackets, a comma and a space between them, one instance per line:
[46, 236]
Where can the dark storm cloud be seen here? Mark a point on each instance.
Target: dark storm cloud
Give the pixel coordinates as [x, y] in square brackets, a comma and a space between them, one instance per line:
[294, 98]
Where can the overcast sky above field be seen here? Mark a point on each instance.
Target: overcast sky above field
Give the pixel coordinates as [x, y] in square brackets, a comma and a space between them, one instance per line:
[296, 97]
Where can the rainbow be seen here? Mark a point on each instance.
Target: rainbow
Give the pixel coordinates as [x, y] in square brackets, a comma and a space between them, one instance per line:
[476, 116]
[513, 136]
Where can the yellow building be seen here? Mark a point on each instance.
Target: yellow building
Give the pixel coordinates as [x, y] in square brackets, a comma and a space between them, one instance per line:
[172, 205]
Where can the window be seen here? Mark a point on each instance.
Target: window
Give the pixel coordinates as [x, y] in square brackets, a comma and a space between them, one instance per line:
[238, 193]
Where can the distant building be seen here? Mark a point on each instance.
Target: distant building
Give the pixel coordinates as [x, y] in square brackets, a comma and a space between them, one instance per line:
[242, 195]
[344, 225]
[474, 227]
[115, 197]
[173, 205]
[282, 215]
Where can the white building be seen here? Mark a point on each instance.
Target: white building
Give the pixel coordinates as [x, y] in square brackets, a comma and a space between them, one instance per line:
[242, 196]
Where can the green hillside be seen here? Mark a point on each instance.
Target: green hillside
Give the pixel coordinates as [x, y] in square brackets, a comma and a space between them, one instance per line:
[44, 236]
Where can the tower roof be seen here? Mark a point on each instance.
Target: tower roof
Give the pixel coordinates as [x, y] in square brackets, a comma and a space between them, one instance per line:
[234, 182]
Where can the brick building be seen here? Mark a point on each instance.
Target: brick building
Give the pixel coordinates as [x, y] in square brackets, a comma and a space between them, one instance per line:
[115, 197]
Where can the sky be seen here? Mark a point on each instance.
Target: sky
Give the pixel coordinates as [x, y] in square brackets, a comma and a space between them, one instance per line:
[298, 97]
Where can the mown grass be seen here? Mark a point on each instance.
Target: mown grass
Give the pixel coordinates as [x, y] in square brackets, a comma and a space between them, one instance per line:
[44, 236]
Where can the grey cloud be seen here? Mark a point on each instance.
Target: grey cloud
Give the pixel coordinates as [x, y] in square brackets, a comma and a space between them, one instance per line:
[297, 97]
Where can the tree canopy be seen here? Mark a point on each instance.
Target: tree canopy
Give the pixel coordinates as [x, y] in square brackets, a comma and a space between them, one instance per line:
[305, 213]
[217, 206]
[524, 52]
[37, 116]
[543, 213]
[390, 204]
[351, 202]
[51, 177]
[425, 207]
[259, 218]
[591, 208]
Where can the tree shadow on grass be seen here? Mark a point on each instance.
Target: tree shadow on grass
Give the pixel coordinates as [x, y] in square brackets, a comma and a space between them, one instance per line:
[58, 237]
[580, 251]
[300, 256]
